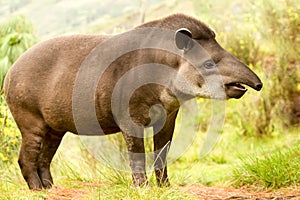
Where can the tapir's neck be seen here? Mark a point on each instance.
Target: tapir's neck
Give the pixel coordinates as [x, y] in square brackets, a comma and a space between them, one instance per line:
[157, 56]
[170, 95]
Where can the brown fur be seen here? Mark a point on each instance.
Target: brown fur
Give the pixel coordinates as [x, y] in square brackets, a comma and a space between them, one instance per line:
[177, 21]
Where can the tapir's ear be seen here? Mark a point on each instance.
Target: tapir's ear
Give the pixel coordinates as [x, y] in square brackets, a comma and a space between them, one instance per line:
[183, 39]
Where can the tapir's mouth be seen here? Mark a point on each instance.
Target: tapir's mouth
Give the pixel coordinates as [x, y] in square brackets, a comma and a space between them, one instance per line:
[235, 90]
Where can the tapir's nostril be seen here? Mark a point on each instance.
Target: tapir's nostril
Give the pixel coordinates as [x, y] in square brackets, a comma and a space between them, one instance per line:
[259, 86]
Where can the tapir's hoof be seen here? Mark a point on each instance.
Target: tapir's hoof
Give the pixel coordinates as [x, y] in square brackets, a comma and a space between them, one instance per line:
[35, 187]
[166, 184]
[140, 180]
[47, 186]
[34, 183]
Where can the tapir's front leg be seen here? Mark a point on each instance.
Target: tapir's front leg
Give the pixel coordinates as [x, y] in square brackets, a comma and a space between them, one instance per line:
[163, 132]
[136, 154]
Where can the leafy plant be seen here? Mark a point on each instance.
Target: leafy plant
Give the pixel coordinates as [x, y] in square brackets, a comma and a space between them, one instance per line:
[9, 135]
[16, 36]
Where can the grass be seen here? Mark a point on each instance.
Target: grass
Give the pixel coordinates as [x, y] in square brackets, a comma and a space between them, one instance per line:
[74, 171]
[275, 169]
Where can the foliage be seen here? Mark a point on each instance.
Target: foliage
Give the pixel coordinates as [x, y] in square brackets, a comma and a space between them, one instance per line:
[9, 135]
[279, 26]
[280, 74]
[233, 26]
[16, 36]
[275, 169]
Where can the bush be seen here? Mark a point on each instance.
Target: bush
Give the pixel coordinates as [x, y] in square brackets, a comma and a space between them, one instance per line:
[16, 36]
[10, 137]
[277, 24]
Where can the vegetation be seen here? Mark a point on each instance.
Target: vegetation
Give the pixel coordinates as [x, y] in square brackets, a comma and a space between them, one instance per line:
[260, 146]
[275, 169]
[10, 137]
[16, 36]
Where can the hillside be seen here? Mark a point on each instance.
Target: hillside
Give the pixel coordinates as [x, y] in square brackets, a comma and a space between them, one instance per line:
[152, 12]
[56, 17]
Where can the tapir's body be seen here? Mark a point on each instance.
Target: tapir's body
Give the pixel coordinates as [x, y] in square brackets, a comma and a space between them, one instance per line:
[44, 82]
[39, 90]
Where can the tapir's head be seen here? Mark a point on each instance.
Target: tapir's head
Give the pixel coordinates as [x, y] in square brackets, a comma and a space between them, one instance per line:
[214, 63]
[205, 64]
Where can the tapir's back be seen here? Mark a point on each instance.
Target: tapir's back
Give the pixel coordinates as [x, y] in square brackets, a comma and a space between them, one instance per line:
[41, 80]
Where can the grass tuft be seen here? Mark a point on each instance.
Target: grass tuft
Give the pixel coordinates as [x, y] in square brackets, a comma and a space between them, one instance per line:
[279, 168]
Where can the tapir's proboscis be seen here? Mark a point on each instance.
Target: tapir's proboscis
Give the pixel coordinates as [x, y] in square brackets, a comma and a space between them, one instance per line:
[39, 92]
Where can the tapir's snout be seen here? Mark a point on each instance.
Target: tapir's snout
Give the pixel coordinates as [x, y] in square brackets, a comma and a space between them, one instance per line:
[258, 86]
[235, 75]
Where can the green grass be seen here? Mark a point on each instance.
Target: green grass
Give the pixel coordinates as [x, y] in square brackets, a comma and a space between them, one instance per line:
[75, 171]
[275, 169]
[121, 192]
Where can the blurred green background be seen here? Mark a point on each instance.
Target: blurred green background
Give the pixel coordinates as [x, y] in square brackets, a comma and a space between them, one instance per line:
[261, 132]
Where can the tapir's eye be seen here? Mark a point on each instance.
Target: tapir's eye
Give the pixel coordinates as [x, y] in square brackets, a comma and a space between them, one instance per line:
[209, 64]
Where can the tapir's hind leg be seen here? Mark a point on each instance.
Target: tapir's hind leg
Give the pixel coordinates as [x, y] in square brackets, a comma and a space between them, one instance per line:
[33, 130]
[39, 144]
[49, 146]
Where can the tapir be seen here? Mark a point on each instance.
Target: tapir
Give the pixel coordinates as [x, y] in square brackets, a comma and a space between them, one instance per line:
[39, 91]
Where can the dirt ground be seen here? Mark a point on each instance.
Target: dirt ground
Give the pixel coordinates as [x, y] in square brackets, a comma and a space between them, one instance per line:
[199, 191]
[218, 193]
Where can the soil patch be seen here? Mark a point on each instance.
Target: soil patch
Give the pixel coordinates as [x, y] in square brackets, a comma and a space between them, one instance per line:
[58, 193]
[218, 193]
[200, 191]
